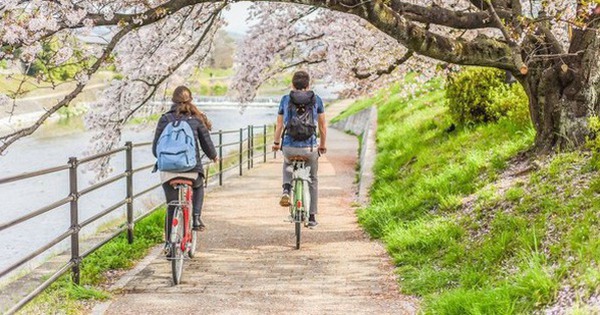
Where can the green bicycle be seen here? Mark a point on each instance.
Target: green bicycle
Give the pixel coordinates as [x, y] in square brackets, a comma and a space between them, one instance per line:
[300, 205]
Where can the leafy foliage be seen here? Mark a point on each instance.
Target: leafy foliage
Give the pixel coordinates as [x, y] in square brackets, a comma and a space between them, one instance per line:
[477, 95]
[593, 140]
[44, 66]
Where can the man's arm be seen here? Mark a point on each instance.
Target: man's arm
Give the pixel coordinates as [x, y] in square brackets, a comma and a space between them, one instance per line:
[278, 131]
[322, 133]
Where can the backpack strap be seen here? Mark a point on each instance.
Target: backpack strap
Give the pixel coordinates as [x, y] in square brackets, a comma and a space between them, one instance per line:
[171, 118]
[289, 111]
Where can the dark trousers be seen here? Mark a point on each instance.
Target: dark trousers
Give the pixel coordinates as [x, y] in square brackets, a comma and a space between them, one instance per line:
[172, 195]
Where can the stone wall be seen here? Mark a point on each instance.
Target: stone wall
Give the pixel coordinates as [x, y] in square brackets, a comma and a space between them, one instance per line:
[363, 123]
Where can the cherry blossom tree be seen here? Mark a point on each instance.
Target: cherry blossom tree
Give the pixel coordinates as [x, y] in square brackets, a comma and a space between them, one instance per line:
[551, 47]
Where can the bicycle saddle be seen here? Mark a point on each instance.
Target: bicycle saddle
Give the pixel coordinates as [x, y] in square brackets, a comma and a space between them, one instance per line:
[180, 181]
[298, 158]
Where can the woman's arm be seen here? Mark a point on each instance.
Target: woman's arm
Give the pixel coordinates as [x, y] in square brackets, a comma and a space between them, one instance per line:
[206, 142]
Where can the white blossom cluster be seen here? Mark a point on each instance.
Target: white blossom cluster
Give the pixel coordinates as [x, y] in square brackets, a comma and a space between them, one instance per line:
[147, 58]
[335, 47]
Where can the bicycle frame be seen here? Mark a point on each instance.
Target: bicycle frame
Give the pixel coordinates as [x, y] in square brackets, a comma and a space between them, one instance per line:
[182, 239]
[183, 204]
[300, 206]
[301, 195]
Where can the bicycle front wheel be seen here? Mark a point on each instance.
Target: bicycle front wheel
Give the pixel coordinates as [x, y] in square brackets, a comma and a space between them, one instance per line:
[194, 243]
[177, 252]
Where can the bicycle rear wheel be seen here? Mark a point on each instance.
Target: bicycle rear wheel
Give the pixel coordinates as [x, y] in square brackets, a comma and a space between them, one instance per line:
[176, 239]
[298, 232]
[298, 205]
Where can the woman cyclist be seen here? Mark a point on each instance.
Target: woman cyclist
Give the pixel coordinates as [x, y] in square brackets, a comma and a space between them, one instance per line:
[183, 109]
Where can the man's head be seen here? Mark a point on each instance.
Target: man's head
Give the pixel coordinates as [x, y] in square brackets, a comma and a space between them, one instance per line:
[301, 80]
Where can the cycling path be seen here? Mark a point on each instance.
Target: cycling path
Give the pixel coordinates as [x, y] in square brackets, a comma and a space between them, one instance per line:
[247, 263]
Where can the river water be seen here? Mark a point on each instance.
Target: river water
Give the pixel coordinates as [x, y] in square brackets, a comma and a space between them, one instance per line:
[53, 147]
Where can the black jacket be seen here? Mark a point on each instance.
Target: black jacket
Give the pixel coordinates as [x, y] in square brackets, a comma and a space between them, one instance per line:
[201, 134]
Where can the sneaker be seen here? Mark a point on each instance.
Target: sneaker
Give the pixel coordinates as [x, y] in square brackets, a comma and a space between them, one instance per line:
[167, 250]
[312, 222]
[198, 225]
[285, 199]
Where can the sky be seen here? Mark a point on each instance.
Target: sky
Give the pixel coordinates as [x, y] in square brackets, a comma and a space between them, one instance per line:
[236, 17]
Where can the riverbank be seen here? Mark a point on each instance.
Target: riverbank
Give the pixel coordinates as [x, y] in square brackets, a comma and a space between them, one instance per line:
[476, 226]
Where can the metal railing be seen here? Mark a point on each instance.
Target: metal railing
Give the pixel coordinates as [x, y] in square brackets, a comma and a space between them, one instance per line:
[252, 140]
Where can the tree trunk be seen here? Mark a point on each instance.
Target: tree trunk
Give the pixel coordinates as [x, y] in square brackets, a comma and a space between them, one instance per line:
[564, 93]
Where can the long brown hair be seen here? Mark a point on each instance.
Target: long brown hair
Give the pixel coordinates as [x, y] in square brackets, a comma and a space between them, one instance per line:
[182, 97]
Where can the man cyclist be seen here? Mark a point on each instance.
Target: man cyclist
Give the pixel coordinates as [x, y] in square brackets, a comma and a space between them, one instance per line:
[301, 102]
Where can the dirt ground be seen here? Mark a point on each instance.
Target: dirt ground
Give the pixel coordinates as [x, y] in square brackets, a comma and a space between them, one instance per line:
[247, 262]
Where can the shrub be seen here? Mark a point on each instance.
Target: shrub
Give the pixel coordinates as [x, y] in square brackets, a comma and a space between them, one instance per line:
[511, 102]
[593, 139]
[475, 95]
[218, 90]
[213, 90]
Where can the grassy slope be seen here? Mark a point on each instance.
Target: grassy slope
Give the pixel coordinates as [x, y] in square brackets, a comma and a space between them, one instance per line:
[31, 87]
[500, 251]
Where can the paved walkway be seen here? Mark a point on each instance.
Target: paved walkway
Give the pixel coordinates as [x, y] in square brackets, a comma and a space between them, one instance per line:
[247, 263]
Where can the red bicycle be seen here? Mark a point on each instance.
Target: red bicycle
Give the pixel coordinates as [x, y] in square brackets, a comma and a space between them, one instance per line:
[183, 239]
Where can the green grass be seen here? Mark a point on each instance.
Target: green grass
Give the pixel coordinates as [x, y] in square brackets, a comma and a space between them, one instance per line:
[208, 73]
[210, 82]
[507, 250]
[493, 255]
[358, 106]
[11, 84]
[65, 297]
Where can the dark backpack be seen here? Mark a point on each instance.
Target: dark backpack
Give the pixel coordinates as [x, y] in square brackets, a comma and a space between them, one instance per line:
[301, 126]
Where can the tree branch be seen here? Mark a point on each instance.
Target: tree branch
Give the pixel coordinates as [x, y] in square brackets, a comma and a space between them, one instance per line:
[445, 17]
[515, 50]
[302, 62]
[190, 53]
[388, 70]
[482, 52]
[9, 139]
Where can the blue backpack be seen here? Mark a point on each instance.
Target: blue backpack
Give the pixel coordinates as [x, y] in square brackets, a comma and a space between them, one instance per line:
[176, 147]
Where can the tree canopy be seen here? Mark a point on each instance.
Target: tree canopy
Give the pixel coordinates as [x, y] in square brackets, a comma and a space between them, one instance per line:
[550, 46]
